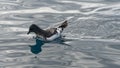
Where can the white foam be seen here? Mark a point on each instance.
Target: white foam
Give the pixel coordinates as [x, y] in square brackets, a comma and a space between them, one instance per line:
[13, 22]
[39, 10]
[8, 3]
[15, 29]
[84, 4]
[111, 9]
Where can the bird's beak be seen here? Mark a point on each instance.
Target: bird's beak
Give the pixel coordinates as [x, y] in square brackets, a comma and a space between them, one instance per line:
[28, 32]
[30, 45]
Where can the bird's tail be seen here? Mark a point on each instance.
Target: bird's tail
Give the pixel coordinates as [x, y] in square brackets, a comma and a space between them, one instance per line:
[64, 24]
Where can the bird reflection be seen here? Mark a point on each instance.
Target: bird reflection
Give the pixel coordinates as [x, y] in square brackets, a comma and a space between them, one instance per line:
[36, 49]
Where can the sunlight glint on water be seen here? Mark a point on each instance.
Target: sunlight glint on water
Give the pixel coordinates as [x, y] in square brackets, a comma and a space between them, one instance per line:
[93, 33]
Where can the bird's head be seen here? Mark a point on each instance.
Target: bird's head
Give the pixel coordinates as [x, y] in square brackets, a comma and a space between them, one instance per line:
[33, 28]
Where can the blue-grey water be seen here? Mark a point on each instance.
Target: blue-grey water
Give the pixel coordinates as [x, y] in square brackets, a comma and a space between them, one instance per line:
[94, 30]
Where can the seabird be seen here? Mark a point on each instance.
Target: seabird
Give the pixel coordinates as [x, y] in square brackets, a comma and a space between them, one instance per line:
[48, 34]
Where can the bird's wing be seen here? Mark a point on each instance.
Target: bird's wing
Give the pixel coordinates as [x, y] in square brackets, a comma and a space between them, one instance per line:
[51, 30]
[56, 25]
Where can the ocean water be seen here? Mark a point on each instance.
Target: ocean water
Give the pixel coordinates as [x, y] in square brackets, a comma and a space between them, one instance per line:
[93, 33]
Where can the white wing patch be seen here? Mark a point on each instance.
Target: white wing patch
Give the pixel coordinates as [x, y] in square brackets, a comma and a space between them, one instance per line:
[58, 34]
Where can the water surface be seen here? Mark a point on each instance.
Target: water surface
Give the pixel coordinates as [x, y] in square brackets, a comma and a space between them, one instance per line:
[94, 29]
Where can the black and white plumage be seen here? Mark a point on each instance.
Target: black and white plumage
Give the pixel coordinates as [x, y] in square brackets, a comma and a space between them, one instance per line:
[50, 33]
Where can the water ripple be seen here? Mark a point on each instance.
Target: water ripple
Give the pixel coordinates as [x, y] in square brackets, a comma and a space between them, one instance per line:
[94, 31]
